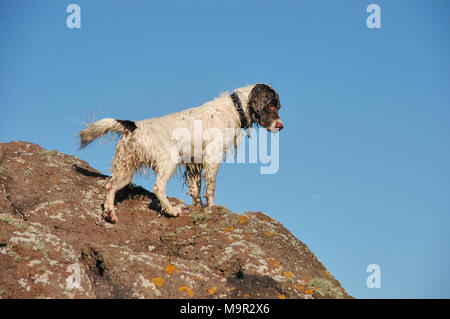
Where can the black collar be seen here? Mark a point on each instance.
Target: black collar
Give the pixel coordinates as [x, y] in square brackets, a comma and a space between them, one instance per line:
[237, 104]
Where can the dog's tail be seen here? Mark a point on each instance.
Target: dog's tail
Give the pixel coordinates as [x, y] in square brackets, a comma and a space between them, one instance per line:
[103, 127]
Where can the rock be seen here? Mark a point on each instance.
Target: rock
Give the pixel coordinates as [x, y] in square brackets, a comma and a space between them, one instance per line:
[55, 244]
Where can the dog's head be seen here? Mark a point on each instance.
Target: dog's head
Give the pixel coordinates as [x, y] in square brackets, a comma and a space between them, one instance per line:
[264, 105]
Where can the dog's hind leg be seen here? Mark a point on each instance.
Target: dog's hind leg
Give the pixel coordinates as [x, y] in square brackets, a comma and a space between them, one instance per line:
[194, 179]
[122, 175]
[211, 170]
[118, 180]
[164, 174]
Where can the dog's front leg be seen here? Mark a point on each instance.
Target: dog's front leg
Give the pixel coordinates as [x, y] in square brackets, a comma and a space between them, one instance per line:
[195, 187]
[211, 170]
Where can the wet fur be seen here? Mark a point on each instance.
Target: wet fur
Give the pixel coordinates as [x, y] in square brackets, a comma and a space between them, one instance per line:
[147, 144]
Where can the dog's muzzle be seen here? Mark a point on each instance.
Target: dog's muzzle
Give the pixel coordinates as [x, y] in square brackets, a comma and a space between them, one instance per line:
[276, 126]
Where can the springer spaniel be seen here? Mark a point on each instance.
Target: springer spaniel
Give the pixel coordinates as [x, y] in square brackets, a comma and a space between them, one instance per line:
[165, 143]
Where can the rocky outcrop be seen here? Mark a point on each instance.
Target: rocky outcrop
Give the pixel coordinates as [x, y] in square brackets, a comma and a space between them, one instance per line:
[54, 242]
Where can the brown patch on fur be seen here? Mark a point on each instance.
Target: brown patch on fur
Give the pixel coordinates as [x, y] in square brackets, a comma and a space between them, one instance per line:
[129, 125]
[264, 104]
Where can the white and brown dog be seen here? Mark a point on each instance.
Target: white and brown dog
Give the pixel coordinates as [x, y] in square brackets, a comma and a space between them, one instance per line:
[152, 143]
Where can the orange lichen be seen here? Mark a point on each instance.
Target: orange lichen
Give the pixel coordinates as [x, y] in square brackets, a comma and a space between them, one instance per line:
[228, 229]
[267, 233]
[170, 269]
[55, 179]
[158, 282]
[281, 296]
[287, 274]
[326, 274]
[64, 204]
[212, 290]
[243, 219]
[273, 262]
[187, 290]
[247, 295]
[309, 291]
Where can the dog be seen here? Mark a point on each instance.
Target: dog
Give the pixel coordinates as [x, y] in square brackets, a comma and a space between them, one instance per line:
[151, 144]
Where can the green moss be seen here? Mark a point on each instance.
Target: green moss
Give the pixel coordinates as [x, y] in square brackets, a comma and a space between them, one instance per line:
[6, 218]
[42, 269]
[199, 216]
[171, 234]
[9, 219]
[157, 293]
[249, 229]
[21, 226]
[254, 249]
[44, 155]
[222, 207]
[227, 223]
[42, 248]
[196, 268]
[182, 229]
[28, 172]
[173, 251]
[46, 228]
[325, 286]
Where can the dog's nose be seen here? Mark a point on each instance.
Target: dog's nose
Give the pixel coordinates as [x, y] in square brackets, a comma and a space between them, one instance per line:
[279, 125]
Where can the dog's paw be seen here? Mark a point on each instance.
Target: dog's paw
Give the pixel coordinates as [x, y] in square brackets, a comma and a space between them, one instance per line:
[110, 217]
[175, 212]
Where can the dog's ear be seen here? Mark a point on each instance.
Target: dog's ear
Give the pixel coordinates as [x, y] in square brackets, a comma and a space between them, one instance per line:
[259, 98]
[256, 101]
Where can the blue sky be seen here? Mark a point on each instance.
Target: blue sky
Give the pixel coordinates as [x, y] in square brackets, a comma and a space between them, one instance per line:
[364, 172]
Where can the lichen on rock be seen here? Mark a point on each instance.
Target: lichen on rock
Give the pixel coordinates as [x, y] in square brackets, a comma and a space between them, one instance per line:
[54, 242]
